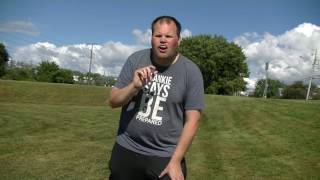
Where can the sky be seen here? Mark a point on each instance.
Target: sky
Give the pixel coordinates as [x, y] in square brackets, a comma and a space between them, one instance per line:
[282, 32]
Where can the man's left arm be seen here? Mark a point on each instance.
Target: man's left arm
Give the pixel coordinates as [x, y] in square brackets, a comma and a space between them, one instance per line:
[190, 128]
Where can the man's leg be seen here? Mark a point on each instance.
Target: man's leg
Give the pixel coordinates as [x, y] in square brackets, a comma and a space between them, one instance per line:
[127, 165]
[124, 165]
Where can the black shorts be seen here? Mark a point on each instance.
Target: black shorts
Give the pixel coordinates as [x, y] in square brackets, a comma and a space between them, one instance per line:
[128, 165]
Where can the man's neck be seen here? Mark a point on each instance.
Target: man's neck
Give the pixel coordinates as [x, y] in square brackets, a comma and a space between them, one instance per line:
[167, 61]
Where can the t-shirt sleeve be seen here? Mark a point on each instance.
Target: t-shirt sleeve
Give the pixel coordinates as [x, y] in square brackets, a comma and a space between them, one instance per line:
[194, 99]
[126, 74]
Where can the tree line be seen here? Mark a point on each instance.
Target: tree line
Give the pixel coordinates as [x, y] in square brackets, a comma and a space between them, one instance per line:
[47, 71]
[277, 90]
[222, 63]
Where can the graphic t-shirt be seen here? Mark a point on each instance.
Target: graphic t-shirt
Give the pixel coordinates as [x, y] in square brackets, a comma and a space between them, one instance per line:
[151, 123]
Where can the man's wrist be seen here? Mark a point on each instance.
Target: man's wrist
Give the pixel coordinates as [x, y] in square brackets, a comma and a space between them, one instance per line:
[176, 159]
[133, 87]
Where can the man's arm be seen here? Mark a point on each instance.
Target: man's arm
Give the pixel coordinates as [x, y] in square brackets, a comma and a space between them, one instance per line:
[121, 96]
[190, 128]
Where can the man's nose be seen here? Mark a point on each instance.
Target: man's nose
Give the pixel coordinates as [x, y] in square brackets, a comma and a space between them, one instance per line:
[163, 39]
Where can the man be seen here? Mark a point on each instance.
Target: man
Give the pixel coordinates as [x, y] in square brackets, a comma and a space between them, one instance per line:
[161, 94]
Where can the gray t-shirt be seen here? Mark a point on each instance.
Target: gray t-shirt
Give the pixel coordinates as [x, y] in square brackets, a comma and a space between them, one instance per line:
[151, 123]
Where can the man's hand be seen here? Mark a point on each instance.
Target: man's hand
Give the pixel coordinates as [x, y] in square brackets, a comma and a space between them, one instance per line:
[173, 170]
[143, 75]
[119, 97]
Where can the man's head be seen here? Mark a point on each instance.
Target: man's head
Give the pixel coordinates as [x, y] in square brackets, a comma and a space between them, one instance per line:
[165, 38]
[168, 20]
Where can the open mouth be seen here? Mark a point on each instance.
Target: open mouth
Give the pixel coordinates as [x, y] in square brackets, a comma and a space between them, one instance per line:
[162, 48]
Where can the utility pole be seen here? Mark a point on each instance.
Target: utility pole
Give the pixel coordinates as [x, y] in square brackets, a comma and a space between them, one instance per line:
[314, 65]
[266, 83]
[90, 65]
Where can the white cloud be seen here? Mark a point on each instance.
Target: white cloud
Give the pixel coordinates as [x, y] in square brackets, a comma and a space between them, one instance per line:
[107, 58]
[289, 53]
[142, 37]
[23, 27]
[284, 52]
[186, 33]
[251, 83]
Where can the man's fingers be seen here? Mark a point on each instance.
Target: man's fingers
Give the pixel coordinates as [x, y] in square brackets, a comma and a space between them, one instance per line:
[140, 74]
[153, 71]
[152, 67]
[148, 72]
[145, 74]
[164, 172]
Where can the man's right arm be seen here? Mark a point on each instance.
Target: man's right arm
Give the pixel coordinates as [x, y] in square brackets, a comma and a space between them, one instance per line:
[121, 96]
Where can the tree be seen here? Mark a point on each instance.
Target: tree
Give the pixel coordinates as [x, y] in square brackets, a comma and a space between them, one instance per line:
[110, 81]
[62, 76]
[273, 91]
[316, 95]
[20, 71]
[222, 63]
[101, 80]
[97, 79]
[297, 90]
[45, 71]
[4, 58]
[20, 74]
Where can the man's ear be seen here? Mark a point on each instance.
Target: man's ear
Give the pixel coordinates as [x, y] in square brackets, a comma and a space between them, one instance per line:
[179, 41]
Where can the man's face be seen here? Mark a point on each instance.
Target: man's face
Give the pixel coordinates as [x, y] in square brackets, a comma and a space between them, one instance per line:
[165, 40]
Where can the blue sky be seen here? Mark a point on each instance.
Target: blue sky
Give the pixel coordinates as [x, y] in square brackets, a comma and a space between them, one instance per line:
[280, 31]
[79, 21]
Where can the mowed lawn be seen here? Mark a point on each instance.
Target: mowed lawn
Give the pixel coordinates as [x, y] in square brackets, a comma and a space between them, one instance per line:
[58, 131]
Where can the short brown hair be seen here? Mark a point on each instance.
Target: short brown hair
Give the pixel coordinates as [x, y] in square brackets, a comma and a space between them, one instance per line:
[167, 19]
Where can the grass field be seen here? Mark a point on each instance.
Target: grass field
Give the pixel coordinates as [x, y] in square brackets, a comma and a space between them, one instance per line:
[58, 131]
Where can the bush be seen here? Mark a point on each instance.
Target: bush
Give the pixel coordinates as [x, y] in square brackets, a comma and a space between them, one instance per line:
[20, 74]
[62, 76]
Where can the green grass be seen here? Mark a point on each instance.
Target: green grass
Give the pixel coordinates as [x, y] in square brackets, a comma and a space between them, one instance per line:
[50, 93]
[247, 138]
[57, 131]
